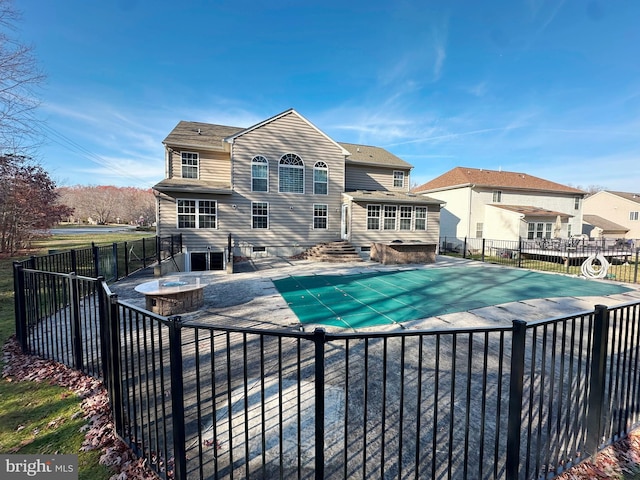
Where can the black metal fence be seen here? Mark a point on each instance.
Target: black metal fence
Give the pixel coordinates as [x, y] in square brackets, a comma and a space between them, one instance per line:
[206, 401]
[551, 255]
[113, 261]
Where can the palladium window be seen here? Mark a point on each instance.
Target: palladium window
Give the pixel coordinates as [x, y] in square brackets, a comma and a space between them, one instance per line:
[189, 165]
[421, 218]
[259, 215]
[390, 215]
[373, 217]
[398, 178]
[497, 196]
[320, 178]
[320, 216]
[633, 216]
[197, 213]
[405, 218]
[259, 174]
[291, 174]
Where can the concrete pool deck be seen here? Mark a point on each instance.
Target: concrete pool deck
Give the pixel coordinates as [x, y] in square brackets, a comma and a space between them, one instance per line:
[249, 298]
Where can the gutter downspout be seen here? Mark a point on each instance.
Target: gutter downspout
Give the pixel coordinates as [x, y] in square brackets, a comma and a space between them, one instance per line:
[469, 219]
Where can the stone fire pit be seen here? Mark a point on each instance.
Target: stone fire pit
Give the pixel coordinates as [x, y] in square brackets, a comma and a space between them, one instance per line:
[173, 295]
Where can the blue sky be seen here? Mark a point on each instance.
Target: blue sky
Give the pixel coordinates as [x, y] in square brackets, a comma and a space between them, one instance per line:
[546, 87]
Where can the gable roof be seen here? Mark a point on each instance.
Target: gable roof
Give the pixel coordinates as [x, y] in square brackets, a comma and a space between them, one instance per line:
[603, 223]
[200, 135]
[470, 177]
[368, 155]
[634, 197]
[531, 211]
[291, 111]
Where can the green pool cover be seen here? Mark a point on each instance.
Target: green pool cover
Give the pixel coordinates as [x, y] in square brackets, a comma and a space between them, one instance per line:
[378, 298]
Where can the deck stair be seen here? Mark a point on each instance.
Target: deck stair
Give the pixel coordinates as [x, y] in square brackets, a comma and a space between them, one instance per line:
[338, 251]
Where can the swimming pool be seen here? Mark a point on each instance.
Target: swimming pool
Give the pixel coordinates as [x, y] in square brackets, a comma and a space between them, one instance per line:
[382, 298]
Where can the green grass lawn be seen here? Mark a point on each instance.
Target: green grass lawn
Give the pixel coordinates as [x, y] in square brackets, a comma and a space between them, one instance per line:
[36, 417]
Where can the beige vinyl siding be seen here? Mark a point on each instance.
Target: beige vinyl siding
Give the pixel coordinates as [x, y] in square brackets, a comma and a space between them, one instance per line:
[362, 237]
[290, 214]
[212, 166]
[373, 178]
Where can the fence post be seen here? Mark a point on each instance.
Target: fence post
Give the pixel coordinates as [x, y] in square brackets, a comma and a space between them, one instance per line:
[20, 305]
[74, 261]
[597, 377]
[103, 317]
[126, 259]
[516, 381]
[177, 400]
[144, 254]
[635, 271]
[464, 248]
[158, 247]
[483, 247]
[76, 327]
[96, 260]
[519, 252]
[114, 252]
[319, 339]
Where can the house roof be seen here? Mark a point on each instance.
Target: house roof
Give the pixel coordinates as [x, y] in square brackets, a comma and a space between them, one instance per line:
[603, 223]
[469, 177]
[200, 135]
[634, 197]
[531, 211]
[384, 196]
[368, 155]
[192, 185]
[208, 136]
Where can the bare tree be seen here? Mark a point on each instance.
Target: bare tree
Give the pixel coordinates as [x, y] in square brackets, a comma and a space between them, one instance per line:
[19, 77]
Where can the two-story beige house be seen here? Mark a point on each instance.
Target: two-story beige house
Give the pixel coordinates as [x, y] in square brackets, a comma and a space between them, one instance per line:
[280, 187]
[608, 208]
[501, 205]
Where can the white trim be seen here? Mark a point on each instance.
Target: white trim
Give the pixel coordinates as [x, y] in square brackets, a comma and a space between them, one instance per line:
[268, 213]
[252, 159]
[197, 214]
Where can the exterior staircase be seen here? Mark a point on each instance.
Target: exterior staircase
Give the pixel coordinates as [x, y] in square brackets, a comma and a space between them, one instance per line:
[338, 251]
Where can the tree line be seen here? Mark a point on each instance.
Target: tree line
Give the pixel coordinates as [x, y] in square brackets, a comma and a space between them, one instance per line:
[106, 204]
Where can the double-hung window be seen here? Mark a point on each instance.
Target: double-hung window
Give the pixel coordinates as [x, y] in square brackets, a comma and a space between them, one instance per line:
[405, 217]
[633, 216]
[398, 178]
[390, 217]
[291, 174]
[259, 174]
[197, 213]
[497, 196]
[190, 162]
[320, 179]
[320, 216]
[421, 218]
[260, 215]
[373, 217]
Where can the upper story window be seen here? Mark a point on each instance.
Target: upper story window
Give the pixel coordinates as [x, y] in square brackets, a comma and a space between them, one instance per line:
[291, 174]
[576, 203]
[197, 213]
[320, 178]
[190, 161]
[497, 196]
[398, 178]
[634, 216]
[259, 174]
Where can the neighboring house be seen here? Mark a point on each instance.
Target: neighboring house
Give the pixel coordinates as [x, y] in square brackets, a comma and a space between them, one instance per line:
[500, 205]
[280, 187]
[621, 208]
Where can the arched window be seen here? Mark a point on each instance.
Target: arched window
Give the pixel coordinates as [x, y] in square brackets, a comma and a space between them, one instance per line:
[291, 174]
[320, 178]
[259, 174]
